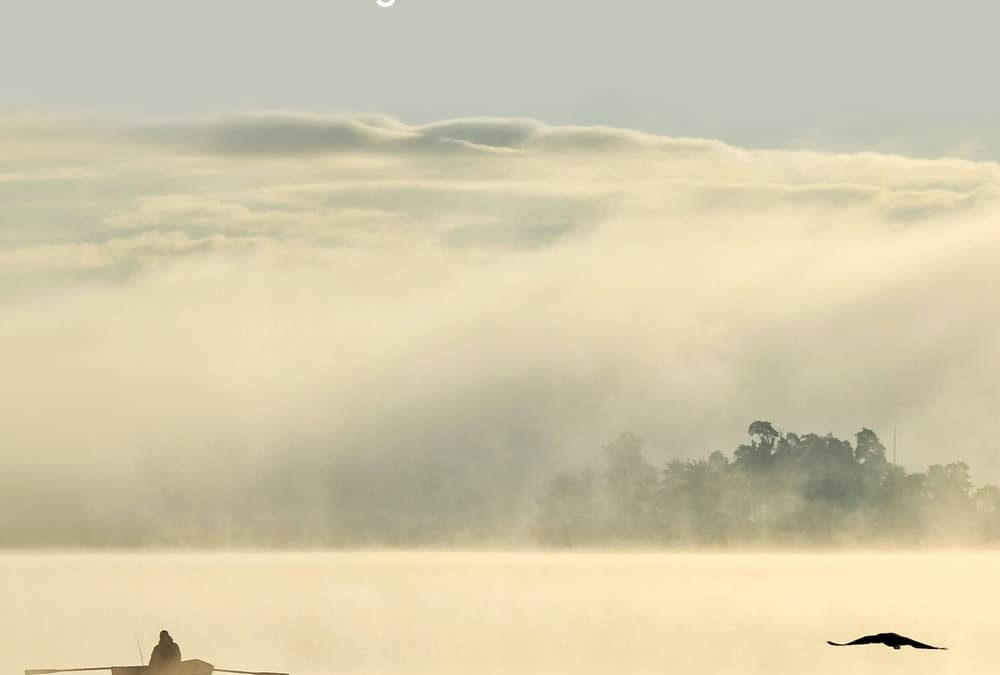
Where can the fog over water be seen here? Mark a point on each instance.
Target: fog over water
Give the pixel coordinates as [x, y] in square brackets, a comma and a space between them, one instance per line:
[296, 326]
[500, 338]
[498, 614]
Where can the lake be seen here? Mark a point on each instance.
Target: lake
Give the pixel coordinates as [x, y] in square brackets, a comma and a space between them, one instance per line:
[397, 613]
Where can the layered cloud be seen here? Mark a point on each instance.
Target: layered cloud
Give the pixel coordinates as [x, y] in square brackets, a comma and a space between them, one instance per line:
[366, 324]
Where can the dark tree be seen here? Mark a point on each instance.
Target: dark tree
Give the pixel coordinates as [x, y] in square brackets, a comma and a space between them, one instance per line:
[569, 510]
[631, 482]
[779, 488]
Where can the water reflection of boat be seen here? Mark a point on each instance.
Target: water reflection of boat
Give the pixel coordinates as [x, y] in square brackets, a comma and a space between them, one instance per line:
[189, 667]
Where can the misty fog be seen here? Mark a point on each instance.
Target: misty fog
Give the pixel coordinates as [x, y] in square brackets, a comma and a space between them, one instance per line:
[298, 328]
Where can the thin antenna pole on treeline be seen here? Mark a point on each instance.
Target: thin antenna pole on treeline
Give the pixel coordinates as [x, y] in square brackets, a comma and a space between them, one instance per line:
[893, 443]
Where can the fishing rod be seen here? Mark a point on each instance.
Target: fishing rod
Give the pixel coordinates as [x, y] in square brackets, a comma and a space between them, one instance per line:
[50, 671]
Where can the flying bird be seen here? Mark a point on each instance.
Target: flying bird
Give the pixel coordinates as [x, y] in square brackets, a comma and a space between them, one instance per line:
[894, 640]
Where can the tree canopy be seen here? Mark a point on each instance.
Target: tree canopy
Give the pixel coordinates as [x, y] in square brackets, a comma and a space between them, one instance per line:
[777, 488]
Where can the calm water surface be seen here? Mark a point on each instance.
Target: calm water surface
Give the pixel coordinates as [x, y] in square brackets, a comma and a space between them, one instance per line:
[493, 614]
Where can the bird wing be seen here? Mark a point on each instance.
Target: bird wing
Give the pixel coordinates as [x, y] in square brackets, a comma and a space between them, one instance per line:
[917, 645]
[865, 640]
[868, 640]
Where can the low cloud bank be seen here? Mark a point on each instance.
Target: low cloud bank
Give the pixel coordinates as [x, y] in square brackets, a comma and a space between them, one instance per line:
[294, 328]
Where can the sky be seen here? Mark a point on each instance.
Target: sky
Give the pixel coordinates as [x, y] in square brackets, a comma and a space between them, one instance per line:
[465, 245]
[909, 77]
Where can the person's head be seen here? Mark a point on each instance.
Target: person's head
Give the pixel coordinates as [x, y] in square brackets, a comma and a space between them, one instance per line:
[164, 636]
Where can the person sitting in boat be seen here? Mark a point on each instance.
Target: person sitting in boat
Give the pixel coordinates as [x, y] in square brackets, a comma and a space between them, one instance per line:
[165, 653]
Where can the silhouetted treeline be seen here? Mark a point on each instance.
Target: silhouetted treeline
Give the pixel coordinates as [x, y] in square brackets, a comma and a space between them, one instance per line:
[776, 489]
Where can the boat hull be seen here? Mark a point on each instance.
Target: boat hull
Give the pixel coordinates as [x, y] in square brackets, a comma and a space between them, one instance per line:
[189, 667]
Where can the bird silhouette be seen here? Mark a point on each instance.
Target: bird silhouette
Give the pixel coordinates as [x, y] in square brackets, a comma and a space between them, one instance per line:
[894, 640]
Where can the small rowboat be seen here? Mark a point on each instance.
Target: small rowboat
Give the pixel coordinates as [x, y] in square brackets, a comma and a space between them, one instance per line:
[189, 667]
